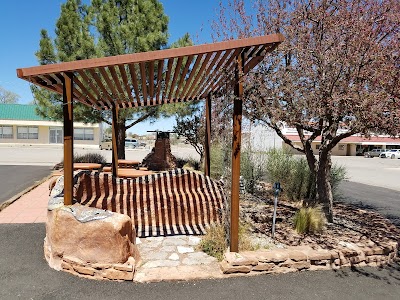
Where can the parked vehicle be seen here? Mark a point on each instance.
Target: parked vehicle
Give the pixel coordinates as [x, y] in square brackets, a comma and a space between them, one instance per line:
[374, 153]
[106, 144]
[391, 153]
[131, 143]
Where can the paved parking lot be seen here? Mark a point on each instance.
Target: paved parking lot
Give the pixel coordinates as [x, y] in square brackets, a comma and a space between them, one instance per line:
[380, 172]
[51, 155]
[371, 171]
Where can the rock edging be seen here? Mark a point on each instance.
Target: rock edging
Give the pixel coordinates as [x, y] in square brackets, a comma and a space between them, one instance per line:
[300, 258]
[99, 271]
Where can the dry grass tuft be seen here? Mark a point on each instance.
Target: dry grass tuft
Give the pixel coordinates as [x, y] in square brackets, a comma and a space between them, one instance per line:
[309, 220]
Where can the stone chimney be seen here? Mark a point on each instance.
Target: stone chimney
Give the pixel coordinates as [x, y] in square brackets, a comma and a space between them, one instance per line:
[160, 158]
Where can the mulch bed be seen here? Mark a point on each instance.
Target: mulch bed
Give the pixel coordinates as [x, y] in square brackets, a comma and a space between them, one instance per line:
[351, 224]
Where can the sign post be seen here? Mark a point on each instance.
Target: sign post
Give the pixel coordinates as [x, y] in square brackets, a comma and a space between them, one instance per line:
[277, 190]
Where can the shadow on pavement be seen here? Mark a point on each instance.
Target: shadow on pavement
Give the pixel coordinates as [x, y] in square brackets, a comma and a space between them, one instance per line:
[381, 200]
[24, 274]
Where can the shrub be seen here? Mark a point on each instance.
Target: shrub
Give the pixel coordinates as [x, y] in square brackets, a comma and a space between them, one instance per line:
[189, 163]
[85, 158]
[309, 220]
[90, 158]
[252, 168]
[338, 174]
[220, 160]
[294, 174]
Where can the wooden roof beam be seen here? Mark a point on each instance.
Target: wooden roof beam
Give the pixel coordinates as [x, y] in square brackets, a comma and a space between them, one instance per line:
[148, 56]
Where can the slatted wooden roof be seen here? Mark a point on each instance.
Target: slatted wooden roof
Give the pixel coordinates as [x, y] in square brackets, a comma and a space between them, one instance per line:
[153, 78]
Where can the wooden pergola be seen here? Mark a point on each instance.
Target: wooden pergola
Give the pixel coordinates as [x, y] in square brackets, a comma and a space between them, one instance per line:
[156, 78]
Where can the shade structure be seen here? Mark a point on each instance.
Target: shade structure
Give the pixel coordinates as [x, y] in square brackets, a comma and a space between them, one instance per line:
[156, 77]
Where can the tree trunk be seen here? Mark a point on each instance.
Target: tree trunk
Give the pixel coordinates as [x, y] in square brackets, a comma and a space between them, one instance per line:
[312, 165]
[121, 139]
[323, 185]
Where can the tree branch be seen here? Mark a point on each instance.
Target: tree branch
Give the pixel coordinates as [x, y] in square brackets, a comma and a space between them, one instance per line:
[340, 137]
[142, 118]
[285, 139]
[105, 120]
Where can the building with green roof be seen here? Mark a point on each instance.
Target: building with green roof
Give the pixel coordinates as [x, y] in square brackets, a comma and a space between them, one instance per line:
[20, 124]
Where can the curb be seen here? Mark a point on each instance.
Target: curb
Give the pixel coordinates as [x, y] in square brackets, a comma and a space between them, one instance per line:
[20, 194]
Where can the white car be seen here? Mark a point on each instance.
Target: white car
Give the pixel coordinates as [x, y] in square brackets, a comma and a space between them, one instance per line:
[391, 153]
[131, 143]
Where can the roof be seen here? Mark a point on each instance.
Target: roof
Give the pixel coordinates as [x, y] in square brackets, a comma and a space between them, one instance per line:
[355, 139]
[156, 77]
[25, 112]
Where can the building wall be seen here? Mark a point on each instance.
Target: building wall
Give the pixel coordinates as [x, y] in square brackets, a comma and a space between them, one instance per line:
[342, 149]
[44, 132]
[263, 138]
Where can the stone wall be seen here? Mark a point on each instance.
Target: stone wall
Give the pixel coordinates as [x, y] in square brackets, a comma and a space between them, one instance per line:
[293, 259]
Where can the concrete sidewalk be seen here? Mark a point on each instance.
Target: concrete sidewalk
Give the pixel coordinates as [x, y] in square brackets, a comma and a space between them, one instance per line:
[29, 208]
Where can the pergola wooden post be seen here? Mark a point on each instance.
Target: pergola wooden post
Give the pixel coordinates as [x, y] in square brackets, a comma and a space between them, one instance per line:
[207, 137]
[68, 87]
[114, 140]
[236, 144]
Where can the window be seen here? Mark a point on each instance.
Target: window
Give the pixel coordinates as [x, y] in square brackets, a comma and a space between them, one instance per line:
[83, 134]
[6, 132]
[27, 132]
[317, 147]
[341, 147]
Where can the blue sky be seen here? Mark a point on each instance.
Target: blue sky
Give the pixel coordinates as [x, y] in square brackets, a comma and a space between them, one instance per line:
[21, 22]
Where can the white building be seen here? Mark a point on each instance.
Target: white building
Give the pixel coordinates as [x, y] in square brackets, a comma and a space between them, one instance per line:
[19, 124]
[262, 138]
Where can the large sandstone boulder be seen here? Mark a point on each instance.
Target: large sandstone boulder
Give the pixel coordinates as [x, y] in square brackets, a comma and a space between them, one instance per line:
[103, 237]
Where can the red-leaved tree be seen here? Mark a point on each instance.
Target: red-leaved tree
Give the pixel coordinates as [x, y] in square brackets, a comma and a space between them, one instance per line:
[339, 66]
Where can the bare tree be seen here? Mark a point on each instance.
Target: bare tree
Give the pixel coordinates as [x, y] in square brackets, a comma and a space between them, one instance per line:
[8, 96]
[338, 68]
[192, 129]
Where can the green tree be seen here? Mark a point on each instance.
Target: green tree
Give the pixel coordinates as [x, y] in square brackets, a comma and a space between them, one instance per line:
[73, 42]
[8, 96]
[105, 28]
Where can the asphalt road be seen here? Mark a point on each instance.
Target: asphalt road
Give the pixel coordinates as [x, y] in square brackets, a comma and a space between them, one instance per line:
[382, 200]
[15, 179]
[24, 274]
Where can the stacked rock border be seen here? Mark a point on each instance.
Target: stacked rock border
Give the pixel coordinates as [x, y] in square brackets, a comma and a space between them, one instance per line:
[301, 258]
[98, 271]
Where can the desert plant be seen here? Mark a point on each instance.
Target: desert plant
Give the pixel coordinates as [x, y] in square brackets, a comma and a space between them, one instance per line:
[309, 220]
[189, 163]
[252, 168]
[338, 174]
[90, 158]
[215, 241]
[279, 164]
[294, 174]
[85, 158]
[219, 160]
